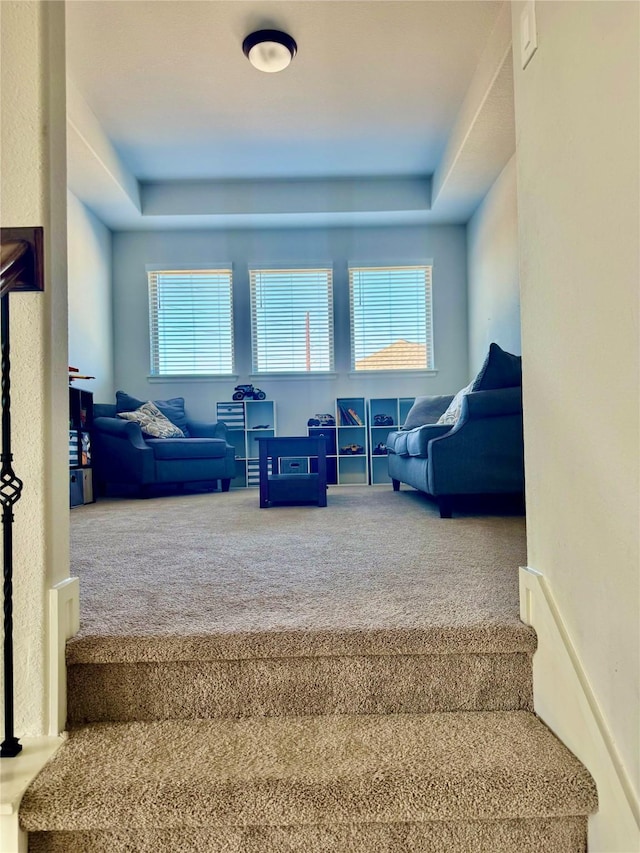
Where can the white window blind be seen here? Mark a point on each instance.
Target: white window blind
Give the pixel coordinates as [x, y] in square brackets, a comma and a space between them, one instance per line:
[391, 318]
[191, 322]
[292, 320]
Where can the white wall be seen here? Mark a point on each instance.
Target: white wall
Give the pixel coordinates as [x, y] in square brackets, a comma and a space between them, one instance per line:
[577, 116]
[33, 192]
[90, 308]
[297, 398]
[494, 284]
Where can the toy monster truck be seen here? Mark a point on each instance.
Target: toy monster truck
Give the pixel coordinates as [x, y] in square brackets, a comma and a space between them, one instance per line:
[321, 420]
[242, 391]
[352, 449]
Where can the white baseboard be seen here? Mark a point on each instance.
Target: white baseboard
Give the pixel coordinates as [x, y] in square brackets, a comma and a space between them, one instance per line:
[564, 699]
[64, 622]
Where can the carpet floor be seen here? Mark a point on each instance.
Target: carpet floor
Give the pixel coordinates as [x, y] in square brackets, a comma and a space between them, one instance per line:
[348, 679]
[373, 563]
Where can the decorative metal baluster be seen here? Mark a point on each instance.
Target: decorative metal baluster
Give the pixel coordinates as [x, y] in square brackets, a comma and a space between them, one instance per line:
[21, 269]
[10, 492]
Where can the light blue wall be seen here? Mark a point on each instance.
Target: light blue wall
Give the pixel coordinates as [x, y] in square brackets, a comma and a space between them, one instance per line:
[89, 290]
[494, 281]
[296, 398]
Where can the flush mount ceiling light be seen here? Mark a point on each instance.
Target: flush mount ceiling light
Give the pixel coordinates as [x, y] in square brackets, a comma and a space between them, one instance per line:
[269, 50]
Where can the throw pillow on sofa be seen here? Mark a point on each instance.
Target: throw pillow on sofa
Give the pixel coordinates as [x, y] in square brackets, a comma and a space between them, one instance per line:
[152, 421]
[426, 410]
[500, 370]
[172, 409]
[455, 406]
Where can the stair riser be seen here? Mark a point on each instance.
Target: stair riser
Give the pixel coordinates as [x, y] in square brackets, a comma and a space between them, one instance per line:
[563, 835]
[298, 686]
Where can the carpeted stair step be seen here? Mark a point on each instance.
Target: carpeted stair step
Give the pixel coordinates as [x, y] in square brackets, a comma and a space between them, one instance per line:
[456, 782]
[302, 673]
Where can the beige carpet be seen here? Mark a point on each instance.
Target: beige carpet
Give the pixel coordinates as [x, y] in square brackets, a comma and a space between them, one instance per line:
[549, 835]
[206, 606]
[348, 679]
[440, 774]
[333, 769]
[213, 569]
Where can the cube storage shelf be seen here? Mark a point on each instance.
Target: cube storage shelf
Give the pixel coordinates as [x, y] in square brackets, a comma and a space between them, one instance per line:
[384, 408]
[247, 421]
[347, 443]
[80, 469]
[354, 452]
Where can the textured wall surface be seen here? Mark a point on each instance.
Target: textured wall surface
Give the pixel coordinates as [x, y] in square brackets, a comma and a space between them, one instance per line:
[90, 311]
[578, 178]
[32, 191]
[494, 282]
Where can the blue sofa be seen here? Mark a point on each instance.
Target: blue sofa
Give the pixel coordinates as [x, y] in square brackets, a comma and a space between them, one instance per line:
[480, 451]
[123, 456]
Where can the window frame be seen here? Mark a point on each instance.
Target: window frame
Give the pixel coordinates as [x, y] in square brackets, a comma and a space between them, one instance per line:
[427, 341]
[259, 276]
[225, 274]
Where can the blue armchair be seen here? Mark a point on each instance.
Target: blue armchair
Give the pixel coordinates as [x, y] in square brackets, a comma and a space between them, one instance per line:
[124, 456]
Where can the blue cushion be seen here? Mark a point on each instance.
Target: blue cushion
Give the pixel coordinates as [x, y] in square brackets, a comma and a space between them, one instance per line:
[426, 410]
[192, 448]
[417, 441]
[397, 443]
[172, 409]
[126, 403]
[500, 370]
[104, 410]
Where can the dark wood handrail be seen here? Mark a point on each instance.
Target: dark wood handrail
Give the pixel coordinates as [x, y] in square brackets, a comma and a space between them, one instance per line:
[21, 259]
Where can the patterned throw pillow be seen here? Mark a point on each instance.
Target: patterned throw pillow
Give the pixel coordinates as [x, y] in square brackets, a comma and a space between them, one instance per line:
[153, 422]
[455, 406]
[500, 370]
[172, 409]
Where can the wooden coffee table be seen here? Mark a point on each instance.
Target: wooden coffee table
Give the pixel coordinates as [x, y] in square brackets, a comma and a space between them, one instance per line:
[292, 488]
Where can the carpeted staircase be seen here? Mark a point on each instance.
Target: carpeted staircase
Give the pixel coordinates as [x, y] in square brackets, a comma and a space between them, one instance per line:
[329, 735]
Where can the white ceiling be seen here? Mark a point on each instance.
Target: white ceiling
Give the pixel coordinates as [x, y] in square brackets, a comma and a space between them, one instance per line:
[375, 91]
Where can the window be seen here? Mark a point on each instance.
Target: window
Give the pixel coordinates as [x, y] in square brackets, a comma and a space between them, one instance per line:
[391, 322]
[292, 320]
[191, 322]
